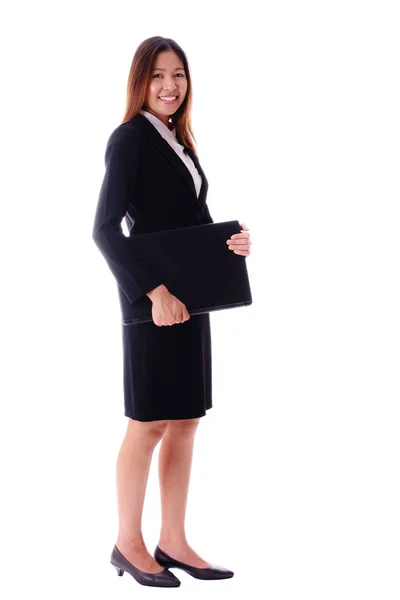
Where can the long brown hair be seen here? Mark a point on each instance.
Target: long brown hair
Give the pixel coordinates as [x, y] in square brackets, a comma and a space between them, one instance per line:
[138, 81]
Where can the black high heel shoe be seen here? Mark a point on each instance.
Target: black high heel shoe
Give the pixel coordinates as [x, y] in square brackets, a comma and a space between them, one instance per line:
[163, 579]
[211, 572]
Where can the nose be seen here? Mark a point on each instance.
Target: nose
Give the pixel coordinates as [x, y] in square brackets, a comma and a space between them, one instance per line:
[169, 85]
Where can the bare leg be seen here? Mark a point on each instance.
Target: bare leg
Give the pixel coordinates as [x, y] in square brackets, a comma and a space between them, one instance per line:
[133, 465]
[175, 461]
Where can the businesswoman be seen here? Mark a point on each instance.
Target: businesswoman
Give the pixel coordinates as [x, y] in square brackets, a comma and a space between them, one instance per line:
[154, 180]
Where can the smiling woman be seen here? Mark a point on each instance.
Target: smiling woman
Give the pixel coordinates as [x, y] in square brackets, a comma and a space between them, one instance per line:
[165, 73]
[155, 181]
[168, 85]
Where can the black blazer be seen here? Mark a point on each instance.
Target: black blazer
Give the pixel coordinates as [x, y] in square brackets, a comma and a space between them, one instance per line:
[147, 183]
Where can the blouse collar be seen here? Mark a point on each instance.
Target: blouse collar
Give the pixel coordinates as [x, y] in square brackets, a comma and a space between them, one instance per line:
[159, 125]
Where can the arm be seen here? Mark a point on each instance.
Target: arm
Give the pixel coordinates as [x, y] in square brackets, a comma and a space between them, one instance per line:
[207, 215]
[116, 193]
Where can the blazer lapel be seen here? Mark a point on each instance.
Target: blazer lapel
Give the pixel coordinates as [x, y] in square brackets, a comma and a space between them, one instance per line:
[163, 146]
[204, 185]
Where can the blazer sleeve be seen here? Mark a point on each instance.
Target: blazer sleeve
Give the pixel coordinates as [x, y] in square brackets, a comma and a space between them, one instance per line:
[207, 215]
[116, 193]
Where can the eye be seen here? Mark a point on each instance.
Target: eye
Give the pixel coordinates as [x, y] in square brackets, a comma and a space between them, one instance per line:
[157, 74]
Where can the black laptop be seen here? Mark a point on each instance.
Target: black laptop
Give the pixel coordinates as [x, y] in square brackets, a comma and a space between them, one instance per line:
[196, 266]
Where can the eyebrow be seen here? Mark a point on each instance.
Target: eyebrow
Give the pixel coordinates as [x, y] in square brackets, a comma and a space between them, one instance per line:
[177, 69]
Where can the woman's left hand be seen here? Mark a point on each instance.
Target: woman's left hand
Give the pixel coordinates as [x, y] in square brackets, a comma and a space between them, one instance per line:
[240, 242]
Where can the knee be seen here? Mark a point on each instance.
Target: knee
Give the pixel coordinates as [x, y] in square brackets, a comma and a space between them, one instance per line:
[152, 431]
[183, 427]
[157, 429]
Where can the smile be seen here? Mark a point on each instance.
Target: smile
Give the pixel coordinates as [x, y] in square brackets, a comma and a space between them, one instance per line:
[168, 99]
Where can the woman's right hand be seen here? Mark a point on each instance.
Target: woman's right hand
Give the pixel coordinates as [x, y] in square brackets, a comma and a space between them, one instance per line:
[167, 309]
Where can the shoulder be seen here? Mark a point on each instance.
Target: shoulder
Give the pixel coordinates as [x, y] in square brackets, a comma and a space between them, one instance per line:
[125, 132]
[125, 138]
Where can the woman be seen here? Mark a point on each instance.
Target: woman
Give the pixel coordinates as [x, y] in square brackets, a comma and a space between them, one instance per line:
[154, 179]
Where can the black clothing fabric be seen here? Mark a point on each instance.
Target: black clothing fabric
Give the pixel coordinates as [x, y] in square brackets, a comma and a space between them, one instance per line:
[167, 371]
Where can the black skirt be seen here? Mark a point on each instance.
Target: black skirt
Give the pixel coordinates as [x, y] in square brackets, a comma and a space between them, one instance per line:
[167, 370]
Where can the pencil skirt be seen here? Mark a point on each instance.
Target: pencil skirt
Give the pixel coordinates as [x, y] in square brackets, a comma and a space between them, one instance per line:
[167, 370]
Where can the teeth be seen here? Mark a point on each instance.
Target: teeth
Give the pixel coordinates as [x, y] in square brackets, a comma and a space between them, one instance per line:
[168, 97]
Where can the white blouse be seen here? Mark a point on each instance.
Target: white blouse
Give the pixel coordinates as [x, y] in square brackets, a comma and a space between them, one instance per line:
[170, 137]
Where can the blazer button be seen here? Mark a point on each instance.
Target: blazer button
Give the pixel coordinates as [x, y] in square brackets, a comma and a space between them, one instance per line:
[199, 215]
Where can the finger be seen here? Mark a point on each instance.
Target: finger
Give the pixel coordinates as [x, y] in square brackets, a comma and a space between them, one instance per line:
[238, 236]
[243, 242]
[241, 248]
[240, 241]
[235, 236]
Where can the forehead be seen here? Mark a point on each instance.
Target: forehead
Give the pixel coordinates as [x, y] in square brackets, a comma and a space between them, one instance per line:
[167, 60]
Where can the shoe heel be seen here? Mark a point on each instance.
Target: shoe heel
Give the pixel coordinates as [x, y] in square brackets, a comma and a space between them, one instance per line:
[162, 579]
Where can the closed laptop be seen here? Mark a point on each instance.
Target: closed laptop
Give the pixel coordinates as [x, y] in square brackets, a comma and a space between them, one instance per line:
[196, 266]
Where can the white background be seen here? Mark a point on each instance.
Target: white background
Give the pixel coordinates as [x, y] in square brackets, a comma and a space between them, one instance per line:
[295, 479]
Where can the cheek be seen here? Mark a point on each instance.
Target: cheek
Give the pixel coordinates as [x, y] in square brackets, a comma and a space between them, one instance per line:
[183, 87]
[154, 88]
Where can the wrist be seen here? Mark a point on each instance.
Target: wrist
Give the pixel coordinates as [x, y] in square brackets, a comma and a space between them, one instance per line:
[157, 292]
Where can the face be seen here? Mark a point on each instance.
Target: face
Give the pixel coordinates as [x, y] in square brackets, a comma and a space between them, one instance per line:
[168, 78]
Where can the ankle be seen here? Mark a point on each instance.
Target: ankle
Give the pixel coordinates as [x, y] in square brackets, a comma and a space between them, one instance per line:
[173, 539]
[133, 543]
